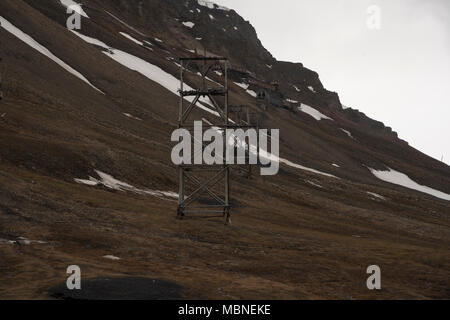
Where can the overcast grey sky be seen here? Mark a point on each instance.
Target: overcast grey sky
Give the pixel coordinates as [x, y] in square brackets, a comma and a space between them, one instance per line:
[399, 74]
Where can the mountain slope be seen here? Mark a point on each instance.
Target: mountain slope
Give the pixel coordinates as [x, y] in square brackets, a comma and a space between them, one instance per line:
[300, 234]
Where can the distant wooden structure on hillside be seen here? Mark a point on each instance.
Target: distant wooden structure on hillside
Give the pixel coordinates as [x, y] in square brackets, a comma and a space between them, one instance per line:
[268, 94]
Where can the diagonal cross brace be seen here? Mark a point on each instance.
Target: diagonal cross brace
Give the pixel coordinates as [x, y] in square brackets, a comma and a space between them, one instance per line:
[211, 182]
[191, 106]
[212, 194]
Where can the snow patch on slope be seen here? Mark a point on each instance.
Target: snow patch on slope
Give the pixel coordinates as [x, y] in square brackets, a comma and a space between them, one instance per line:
[43, 50]
[126, 35]
[114, 184]
[314, 184]
[189, 24]
[312, 89]
[91, 40]
[335, 165]
[74, 6]
[347, 133]
[313, 112]
[376, 195]
[242, 85]
[252, 93]
[298, 166]
[245, 87]
[111, 257]
[131, 116]
[401, 179]
[211, 5]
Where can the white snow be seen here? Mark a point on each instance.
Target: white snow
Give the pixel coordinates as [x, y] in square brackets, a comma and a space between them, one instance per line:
[131, 116]
[245, 87]
[298, 166]
[93, 182]
[242, 85]
[112, 183]
[209, 79]
[159, 40]
[296, 88]
[23, 241]
[177, 64]
[314, 184]
[347, 133]
[335, 165]
[211, 5]
[291, 101]
[189, 24]
[198, 39]
[169, 194]
[211, 17]
[313, 112]
[252, 93]
[235, 28]
[207, 4]
[376, 195]
[398, 178]
[207, 122]
[311, 89]
[111, 257]
[131, 38]
[91, 40]
[43, 50]
[74, 6]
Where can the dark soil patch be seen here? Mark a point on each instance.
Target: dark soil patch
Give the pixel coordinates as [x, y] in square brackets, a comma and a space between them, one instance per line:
[119, 289]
